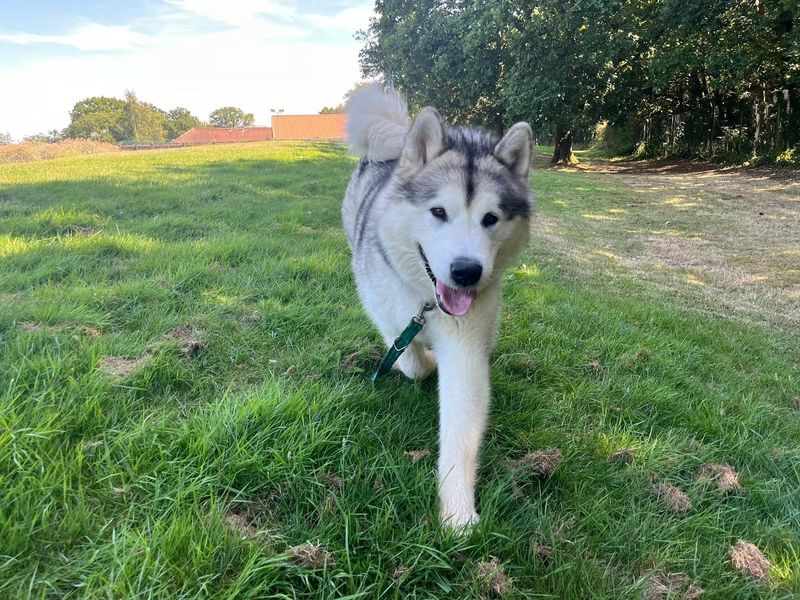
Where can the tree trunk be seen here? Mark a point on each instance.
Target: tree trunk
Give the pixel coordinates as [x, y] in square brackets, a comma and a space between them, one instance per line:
[562, 153]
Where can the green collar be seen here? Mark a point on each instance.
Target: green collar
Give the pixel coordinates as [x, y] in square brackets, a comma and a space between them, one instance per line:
[403, 341]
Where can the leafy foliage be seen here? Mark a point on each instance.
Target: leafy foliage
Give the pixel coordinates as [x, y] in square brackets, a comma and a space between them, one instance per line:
[682, 75]
[179, 121]
[51, 137]
[230, 116]
[144, 122]
[113, 120]
[98, 118]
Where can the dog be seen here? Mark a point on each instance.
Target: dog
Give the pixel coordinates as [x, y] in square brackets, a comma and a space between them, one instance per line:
[434, 215]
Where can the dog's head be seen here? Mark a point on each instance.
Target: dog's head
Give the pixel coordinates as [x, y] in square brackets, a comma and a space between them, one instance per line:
[469, 200]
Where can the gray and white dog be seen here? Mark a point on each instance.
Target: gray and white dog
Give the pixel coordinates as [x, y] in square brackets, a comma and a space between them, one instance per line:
[435, 214]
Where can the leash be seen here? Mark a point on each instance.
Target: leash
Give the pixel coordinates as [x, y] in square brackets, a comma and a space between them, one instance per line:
[403, 341]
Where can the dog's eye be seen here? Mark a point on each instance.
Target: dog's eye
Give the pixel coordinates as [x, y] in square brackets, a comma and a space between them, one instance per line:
[439, 213]
[489, 219]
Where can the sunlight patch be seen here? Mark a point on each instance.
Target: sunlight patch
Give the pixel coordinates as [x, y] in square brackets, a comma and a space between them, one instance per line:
[528, 270]
[596, 217]
[10, 245]
[692, 279]
[124, 242]
[609, 255]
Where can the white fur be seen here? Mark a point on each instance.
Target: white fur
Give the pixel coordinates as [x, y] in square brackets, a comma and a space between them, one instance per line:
[459, 346]
[377, 121]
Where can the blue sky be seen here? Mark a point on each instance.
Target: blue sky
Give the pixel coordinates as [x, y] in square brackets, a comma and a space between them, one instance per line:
[198, 54]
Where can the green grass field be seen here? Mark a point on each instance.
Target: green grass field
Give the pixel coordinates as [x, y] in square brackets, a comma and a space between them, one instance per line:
[186, 411]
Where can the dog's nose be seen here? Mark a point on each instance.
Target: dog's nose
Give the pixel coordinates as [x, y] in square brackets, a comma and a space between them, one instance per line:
[465, 272]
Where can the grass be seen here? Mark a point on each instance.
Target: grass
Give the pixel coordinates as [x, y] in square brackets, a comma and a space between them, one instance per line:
[247, 455]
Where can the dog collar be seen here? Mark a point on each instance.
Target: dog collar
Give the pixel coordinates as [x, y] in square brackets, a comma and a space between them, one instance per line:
[403, 341]
[427, 265]
[432, 277]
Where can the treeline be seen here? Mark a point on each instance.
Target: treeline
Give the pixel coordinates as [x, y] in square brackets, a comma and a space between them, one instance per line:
[706, 78]
[115, 120]
[108, 119]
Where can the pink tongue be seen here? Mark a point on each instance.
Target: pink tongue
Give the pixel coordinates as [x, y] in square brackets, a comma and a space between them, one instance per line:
[456, 302]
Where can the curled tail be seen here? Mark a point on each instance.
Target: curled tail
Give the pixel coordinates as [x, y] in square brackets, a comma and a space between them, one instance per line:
[377, 121]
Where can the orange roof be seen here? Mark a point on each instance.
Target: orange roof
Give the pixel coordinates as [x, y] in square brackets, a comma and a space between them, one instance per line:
[309, 127]
[220, 135]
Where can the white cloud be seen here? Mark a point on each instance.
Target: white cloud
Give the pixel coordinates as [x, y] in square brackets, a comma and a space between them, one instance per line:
[239, 13]
[90, 37]
[349, 19]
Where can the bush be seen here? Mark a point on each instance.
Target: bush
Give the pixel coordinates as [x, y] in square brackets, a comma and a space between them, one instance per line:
[615, 139]
[789, 157]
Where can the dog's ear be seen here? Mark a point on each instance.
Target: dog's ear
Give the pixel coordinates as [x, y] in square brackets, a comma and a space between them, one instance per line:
[515, 150]
[424, 141]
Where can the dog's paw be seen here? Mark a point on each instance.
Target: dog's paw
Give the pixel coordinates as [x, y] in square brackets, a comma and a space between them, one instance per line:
[460, 521]
[416, 363]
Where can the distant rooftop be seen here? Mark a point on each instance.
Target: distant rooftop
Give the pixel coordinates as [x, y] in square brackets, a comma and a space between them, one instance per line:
[309, 127]
[221, 135]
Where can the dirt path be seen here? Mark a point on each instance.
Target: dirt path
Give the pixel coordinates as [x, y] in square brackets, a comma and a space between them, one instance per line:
[725, 239]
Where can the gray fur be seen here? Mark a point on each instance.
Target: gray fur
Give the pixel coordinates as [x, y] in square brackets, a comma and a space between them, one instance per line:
[405, 255]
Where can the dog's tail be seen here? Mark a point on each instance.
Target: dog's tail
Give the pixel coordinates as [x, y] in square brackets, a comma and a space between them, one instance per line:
[377, 121]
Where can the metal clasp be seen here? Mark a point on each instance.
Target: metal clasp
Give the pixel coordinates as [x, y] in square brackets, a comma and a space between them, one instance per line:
[419, 318]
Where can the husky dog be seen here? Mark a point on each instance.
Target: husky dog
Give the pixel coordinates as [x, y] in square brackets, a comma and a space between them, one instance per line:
[434, 214]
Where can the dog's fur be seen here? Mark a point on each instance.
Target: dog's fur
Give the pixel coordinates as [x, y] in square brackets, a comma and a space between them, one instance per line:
[404, 173]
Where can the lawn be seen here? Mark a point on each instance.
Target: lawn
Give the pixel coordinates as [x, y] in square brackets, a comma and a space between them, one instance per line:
[186, 411]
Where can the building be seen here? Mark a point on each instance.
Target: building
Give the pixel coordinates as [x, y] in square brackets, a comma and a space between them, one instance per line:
[309, 127]
[223, 135]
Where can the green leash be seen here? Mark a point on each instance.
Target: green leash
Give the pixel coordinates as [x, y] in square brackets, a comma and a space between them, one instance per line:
[402, 341]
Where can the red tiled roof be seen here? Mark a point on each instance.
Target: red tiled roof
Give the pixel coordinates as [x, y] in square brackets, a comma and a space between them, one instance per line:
[219, 135]
[309, 127]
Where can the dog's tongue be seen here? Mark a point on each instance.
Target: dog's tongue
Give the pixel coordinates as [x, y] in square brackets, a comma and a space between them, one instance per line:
[456, 302]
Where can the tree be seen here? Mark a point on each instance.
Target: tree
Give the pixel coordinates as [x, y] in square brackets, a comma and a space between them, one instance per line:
[560, 68]
[51, 137]
[447, 53]
[5, 139]
[98, 118]
[179, 121]
[144, 122]
[230, 116]
[706, 77]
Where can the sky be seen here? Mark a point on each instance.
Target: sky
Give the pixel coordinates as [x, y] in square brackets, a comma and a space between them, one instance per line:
[257, 55]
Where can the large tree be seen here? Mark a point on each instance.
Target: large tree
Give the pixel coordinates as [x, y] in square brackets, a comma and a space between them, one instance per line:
[144, 122]
[99, 118]
[230, 116]
[179, 121]
[445, 53]
[561, 62]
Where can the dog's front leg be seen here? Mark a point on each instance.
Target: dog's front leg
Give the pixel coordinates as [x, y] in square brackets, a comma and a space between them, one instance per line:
[463, 411]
